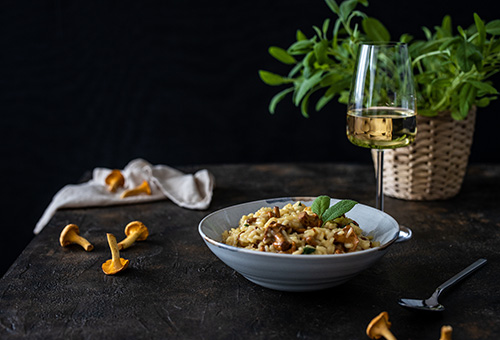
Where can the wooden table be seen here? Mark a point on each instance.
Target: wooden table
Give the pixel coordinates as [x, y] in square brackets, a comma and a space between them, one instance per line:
[176, 288]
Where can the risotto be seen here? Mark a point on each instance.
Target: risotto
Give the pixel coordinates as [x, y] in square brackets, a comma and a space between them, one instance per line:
[295, 229]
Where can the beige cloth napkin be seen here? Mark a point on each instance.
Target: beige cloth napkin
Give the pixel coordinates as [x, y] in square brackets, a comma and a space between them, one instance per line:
[186, 190]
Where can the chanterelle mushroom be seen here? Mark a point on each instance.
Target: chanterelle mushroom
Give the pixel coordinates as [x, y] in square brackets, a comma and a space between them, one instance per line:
[114, 180]
[379, 327]
[143, 188]
[348, 237]
[71, 235]
[135, 231]
[116, 264]
[446, 333]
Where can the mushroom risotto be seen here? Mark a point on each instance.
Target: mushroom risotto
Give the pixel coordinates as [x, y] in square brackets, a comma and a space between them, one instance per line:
[295, 229]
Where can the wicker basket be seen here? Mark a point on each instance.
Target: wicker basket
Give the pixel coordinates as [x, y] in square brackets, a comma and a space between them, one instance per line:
[433, 167]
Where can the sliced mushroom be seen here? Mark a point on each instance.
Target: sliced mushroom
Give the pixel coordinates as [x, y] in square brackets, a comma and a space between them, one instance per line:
[143, 188]
[309, 221]
[71, 235]
[116, 264]
[348, 237]
[135, 231]
[115, 180]
[379, 327]
[274, 233]
[446, 332]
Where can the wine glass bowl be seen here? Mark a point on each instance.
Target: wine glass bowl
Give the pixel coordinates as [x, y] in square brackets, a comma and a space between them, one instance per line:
[381, 128]
[382, 111]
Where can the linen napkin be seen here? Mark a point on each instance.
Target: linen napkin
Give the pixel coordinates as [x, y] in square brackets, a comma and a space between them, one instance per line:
[191, 191]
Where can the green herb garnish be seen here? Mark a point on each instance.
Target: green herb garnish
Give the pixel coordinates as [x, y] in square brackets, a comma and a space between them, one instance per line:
[321, 207]
[308, 249]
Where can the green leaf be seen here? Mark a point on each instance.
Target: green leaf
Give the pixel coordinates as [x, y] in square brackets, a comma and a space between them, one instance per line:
[337, 210]
[455, 114]
[277, 98]
[464, 100]
[483, 102]
[323, 101]
[446, 25]
[375, 30]
[304, 106]
[468, 55]
[308, 249]
[462, 32]
[308, 63]
[493, 27]
[301, 47]
[485, 87]
[480, 30]
[320, 51]
[273, 79]
[320, 204]
[300, 36]
[406, 38]
[326, 24]
[281, 55]
[306, 85]
[295, 70]
[346, 8]
[333, 6]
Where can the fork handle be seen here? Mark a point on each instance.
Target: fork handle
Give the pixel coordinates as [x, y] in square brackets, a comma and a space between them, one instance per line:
[464, 273]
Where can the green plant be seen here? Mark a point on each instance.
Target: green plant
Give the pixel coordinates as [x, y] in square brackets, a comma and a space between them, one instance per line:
[452, 70]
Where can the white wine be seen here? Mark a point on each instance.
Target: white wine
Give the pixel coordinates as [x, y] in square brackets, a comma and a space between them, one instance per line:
[381, 127]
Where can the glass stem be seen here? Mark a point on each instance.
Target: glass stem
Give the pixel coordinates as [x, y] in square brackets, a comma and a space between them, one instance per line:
[379, 177]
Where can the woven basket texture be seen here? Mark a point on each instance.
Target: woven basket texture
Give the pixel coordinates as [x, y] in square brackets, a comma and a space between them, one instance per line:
[434, 166]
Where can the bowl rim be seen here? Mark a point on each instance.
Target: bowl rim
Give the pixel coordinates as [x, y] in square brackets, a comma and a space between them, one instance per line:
[218, 244]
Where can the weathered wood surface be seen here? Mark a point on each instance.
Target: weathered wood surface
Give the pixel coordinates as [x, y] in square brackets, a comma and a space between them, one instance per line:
[176, 288]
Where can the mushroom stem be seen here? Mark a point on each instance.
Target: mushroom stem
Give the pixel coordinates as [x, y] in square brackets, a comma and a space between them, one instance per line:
[83, 242]
[115, 253]
[446, 332]
[135, 231]
[129, 240]
[143, 188]
[386, 333]
[115, 264]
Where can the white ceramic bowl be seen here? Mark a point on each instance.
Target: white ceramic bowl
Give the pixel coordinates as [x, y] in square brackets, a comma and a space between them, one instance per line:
[287, 272]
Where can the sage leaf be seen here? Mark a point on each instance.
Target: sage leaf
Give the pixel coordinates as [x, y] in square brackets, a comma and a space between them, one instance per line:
[273, 79]
[320, 205]
[323, 101]
[346, 8]
[446, 26]
[301, 47]
[485, 87]
[493, 27]
[281, 55]
[277, 98]
[320, 51]
[306, 85]
[333, 6]
[480, 30]
[375, 30]
[337, 210]
[300, 36]
[468, 55]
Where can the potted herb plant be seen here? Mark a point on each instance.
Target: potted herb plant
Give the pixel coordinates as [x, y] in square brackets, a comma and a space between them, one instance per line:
[452, 70]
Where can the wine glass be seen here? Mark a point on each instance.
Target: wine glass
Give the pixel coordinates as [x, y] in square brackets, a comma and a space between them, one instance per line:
[381, 112]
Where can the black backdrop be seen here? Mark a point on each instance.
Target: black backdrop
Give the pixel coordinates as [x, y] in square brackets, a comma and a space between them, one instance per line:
[86, 84]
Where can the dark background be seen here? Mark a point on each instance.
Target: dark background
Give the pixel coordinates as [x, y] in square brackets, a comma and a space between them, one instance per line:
[86, 84]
